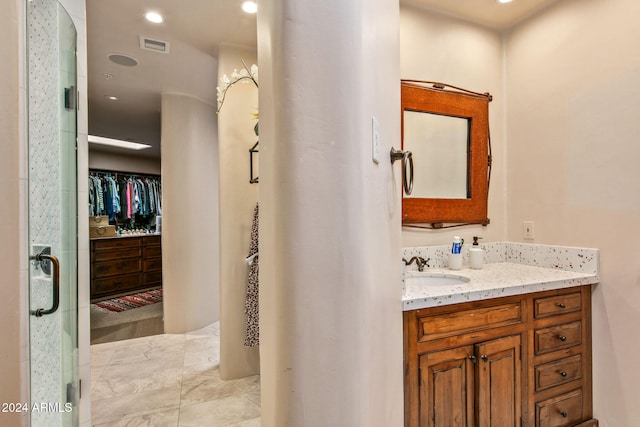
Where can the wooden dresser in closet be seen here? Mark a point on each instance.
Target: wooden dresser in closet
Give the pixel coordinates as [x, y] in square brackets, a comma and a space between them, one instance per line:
[124, 265]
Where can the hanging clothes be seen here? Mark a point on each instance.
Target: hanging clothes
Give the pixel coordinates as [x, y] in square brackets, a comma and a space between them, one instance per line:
[252, 338]
[96, 196]
[124, 195]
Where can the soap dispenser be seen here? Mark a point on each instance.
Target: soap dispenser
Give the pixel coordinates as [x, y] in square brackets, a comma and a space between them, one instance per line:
[476, 254]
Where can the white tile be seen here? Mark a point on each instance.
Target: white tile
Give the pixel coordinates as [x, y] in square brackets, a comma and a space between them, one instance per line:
[85, 401]
[218, 413]
[201, 389]
[83, 336]
[255, 422]
[142, 403]
[84, 289]
[129, 379]
[167, 418]
[83, 109]
[134, 383]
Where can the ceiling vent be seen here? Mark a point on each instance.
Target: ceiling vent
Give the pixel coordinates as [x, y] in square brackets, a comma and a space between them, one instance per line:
[154, 45]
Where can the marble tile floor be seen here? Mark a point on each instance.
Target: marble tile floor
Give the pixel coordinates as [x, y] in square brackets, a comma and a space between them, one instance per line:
[169, 380]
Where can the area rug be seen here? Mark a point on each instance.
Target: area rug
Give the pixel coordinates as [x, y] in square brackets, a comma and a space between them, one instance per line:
[129, 302]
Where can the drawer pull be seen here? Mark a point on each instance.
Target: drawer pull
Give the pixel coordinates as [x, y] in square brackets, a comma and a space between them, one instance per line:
[564, 414]
[563, 374]
[562, 305]
[562, 338]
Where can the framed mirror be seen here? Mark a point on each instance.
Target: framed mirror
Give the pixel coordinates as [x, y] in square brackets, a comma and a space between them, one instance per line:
[447, 130]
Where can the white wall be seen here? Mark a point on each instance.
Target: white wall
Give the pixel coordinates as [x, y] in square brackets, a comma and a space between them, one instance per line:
[330, 306]
[237, 201]
[573, 79]
[104, 160]
[439, 48]
[13, 333]
[190, 234]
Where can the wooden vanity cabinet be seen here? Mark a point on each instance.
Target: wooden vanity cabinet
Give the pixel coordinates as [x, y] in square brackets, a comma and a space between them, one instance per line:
[455, 381]
[513, 361]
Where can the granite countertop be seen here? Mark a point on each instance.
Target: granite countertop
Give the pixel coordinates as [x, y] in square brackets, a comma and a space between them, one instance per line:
[493, 281]
[123, 236]
[509, 269]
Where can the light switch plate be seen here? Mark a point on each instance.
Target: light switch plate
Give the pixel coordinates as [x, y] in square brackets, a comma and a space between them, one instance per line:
[375, 140]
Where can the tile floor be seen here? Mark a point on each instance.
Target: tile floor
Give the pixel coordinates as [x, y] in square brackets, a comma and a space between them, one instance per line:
[169, 381]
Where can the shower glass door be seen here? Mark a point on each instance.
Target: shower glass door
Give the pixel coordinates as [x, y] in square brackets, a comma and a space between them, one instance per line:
[53, 243]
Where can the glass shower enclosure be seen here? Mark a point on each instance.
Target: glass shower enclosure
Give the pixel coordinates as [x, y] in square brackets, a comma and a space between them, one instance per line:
[52, 223]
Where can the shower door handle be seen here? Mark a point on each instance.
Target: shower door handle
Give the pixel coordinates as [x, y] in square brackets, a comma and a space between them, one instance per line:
[55, 275]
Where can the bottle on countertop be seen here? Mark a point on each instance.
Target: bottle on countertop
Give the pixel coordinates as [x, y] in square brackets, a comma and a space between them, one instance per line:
[476, 254]
[455, 256]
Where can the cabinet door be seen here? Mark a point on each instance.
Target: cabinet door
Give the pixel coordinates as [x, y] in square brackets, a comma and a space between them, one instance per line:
[446, 388]
[499, 392]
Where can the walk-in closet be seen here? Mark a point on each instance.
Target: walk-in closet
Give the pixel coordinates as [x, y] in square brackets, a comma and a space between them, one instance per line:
[125, 226]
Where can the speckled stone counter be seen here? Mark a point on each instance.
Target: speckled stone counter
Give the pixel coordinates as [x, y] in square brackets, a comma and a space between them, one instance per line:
[509, 269]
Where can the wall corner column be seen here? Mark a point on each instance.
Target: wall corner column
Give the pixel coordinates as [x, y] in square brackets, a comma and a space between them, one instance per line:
[190, 234]
[330, 229]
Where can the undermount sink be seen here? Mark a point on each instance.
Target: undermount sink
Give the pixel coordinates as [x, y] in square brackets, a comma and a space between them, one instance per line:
[434, 279]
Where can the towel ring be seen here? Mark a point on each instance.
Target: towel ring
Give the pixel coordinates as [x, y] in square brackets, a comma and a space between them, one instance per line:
[407, 166]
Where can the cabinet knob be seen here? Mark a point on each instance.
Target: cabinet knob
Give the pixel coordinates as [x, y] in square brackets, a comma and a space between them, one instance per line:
[473, 358]
[563, 373]
[484, 358]
[562, 305]
[562, 338]
[564, 414]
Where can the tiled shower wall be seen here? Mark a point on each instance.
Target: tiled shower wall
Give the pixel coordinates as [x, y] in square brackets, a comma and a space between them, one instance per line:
[44, 201]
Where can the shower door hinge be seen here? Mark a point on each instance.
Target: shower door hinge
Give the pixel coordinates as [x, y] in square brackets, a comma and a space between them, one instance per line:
[72, 391]
[70, 97]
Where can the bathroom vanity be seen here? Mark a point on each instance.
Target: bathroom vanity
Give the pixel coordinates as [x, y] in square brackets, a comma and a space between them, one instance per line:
[507, 345]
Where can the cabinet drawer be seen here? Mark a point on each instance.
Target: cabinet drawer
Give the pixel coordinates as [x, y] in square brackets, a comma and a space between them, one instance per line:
[459, 322]
[152, 240]
[559, 411]
[153, 279]
[117, 254]
[557, 337]
[558, 372]
[115, 285]
[154, 251]
[115, 243]
[153, 265]
[556, 305]
[115, 268]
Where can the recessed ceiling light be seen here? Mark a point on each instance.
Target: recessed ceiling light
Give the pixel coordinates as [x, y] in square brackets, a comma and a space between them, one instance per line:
[504, 1]
[116, 143]
[154, 17]
[111, 97]
[250, 7]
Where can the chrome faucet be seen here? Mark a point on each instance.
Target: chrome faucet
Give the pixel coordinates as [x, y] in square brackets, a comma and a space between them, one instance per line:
[420, 262]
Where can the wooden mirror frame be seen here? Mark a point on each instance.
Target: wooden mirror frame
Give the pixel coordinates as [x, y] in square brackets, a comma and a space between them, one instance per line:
[438, 98]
